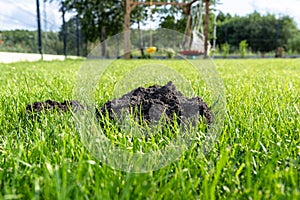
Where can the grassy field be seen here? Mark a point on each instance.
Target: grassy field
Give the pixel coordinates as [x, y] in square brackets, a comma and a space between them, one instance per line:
[256, 157]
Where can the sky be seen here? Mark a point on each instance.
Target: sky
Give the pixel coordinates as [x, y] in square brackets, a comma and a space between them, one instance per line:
[277, 7]
[21, 14]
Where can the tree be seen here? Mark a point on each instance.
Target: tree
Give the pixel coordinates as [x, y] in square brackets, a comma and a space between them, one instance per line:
[71, 31]
[103, 18]
[293, 44]
[170, 22]
[264, 33]
[25, 41]
[19, 41]
[99, 18]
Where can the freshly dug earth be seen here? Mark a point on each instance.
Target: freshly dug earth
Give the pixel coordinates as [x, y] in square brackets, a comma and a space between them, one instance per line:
[50, 105]
[157, 102]
[145, 104]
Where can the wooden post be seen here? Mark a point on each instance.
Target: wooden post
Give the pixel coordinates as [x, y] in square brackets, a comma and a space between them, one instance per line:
[188, 33]
[206, 29]
[127, 30]
[186, 9]
[130, 5]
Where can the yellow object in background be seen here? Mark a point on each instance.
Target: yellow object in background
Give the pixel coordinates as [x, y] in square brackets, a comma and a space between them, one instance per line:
[151, 50]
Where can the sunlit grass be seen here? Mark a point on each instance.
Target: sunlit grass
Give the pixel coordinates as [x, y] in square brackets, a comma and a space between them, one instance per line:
[256, 157]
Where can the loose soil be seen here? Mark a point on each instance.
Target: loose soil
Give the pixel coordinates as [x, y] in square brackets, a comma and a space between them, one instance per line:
[50, 105]
[152, 103]
[144, 104]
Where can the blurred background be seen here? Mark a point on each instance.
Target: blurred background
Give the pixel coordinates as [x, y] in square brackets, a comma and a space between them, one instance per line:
[248, 28]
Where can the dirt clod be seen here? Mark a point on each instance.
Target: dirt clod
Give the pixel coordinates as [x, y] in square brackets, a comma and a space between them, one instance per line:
[50, 105]
[150, 104]
[144, 104]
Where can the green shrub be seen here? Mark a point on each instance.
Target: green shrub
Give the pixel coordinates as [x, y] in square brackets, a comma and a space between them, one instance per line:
[225, 49]
[243, 48]
[170, 53]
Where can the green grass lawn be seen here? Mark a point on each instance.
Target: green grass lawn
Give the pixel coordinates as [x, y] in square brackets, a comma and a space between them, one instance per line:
[257, 155]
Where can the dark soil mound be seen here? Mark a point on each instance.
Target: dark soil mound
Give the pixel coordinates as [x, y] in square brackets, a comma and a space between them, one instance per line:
[50, 105]
[150, 104]
[145, 104]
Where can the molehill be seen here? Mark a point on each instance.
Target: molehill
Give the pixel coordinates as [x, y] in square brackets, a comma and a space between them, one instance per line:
[146, 104]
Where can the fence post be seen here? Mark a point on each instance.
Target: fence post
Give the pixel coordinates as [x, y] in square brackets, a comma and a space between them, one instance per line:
[77, 35]
[64, 27]
[40, 45]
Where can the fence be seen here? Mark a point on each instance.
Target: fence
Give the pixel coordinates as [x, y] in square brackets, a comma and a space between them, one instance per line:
[19, 32]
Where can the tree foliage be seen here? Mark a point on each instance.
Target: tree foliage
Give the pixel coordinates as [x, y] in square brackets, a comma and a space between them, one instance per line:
[25, 41]
[99, 18]
[170, 22]
[103, 18]
[18, 41]
[72, 40]
[263, 33]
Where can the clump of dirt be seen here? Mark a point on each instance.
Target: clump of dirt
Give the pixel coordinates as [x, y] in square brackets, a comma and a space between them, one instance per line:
[152, 103]
[50, 105]
[144, 104]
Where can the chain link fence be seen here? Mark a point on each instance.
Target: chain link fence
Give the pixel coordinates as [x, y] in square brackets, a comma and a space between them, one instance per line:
[19, 32]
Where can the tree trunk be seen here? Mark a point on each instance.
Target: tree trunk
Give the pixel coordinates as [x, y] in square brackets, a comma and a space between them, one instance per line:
[127, 30]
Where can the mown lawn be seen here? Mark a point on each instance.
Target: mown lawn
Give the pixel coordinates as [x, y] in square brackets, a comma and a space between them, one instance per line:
[257, 155]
